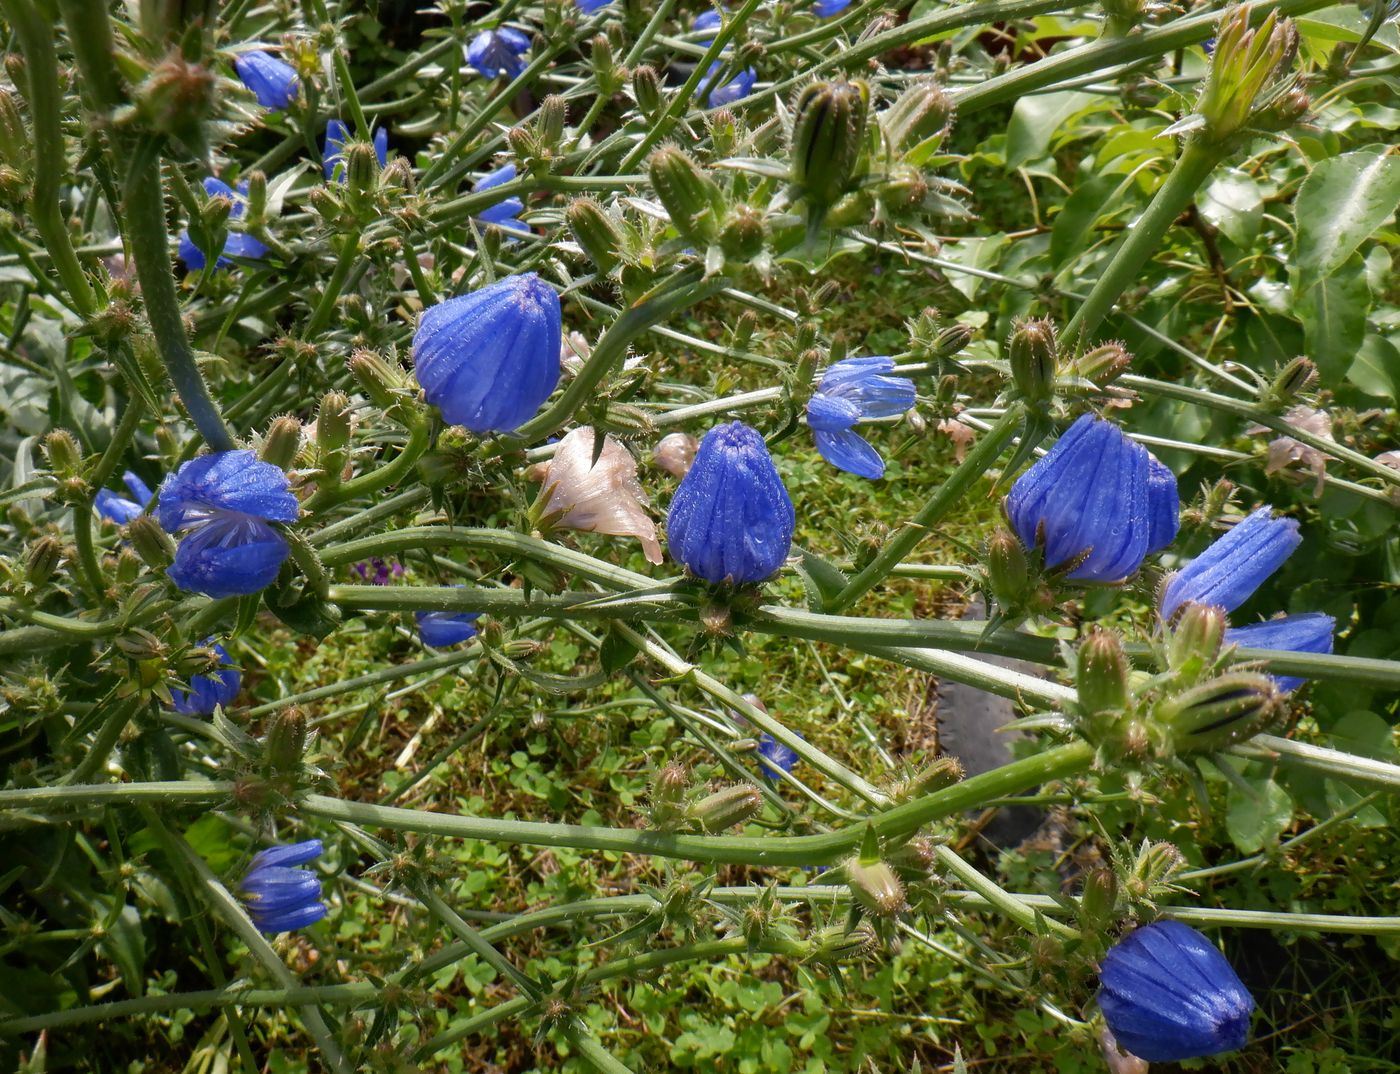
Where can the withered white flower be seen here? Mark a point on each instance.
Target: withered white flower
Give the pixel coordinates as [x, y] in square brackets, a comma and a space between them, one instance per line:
[601, 497]
[1284, 451]
[675, 452]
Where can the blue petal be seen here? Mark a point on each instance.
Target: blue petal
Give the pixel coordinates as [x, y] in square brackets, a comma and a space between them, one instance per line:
[116, 508]
[864, 383]
[226, 481]
[274, 83]
[139, 490]
[731, 518]
[737, 88]
[1163, 506]
[333, 149]
[288, 854]
[496, 53]
[504, 211]
[1228, 572]
[229, 558]
[192, 256]
[441, 629]
[381, 145]
[849, 451]
[831, 413]
[590, 6]
[774, 757]
[208, 692]
[824, 9]
[289, 920]
[1310, 632]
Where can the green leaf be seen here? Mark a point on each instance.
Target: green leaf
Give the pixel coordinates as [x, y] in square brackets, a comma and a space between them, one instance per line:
[1233, 205]
[1376, 370]
[1035, 120]
[1258, 818]
[1333, 312]
[1074, 225]
[1339, 205]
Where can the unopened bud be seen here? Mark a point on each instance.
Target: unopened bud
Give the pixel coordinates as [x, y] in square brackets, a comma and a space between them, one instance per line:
[176, 98]
[905, 190]
[671, 783]
[1153, 869]
[285, 742]
[836, 943]
[333, 428]
[65, 458]
[1008, 571]
[1294, 379]
[554, 110]
[691, 198]
[398, 175]
[594, 231]
[726, 808]
[1101, 679]
[1104, 364]
[15, 148]
[921, 111]
[1032, 352]
[605, 69]
[913, 862]
[1099, 901]
[876, 887]
[675, 452]
[744, 233]
[361, 169]
[382, 380]
[282, 443]
[941, 773]
[151, 542]
[953, 340]
[255, 211]
[646, 88]
[1219, 713]
[1196, 640]
[42, 559]
[828, 134]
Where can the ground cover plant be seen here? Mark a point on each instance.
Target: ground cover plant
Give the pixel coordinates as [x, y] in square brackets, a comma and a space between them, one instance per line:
[836, 536]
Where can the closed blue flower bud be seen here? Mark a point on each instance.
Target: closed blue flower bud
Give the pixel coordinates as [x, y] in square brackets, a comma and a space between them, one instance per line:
[222, 505]
[736, 89]
[333, 150]
[707, 21]
[236, 244]
[274, 83]
[1095, 497]
[441, 629]
[824, 9]
[1167, 994]
[499, 53]
[506, 211]
[851, 391]
[209, 691]
[280, 897]
[1310, 632]
[731, 519]
[774, 757]
[1228, 572]
[116, 507]
[487, 360]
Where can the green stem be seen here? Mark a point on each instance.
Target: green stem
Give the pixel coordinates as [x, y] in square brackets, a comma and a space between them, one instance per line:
[145, 217]
[325, 308]
[88, 569]
[391, 472]
[475, 943]
[305, 557]
[592, 1052]
[102, 746]
[1004, 902]
[1192, 168]
[35, 34]
[982, 457]
[346, 85]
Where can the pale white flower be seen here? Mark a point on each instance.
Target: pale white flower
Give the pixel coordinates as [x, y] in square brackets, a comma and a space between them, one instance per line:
[1284, 451]
[601, 497]
[675, 452]
[1119, 1062]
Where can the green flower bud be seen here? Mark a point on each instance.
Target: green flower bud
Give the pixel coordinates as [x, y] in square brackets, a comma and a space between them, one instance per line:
[1101, 678]
[42, 559]
[333, 428]
[594, 230]
[1098, 903]
[282, 442]
[1103, 364]
[285, 742]
[176, 98]
[913, 862]
[1219, 713]
[744, 233]
[723, 125]
[1008, 571]
[15, 148]
[255, 211]
[1032, 351]
[671, 784]
[1153, 869]
[953, 340]
[646, 88]
[1248, 72]
[836, 943]
[726, 808]
[828, 134]
[151, 542]
[606, 71]
[920, 112]
[692, 199]
[943, 772]
[65, 458]
[1294, 379]
[384, 381]
[1195, 640]
[361, 170]
[554, 110]
[876, 887]
[905, 190]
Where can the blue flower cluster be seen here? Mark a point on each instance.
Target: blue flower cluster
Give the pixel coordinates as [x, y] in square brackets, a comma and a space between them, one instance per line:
[274, 83]
[236, 244]
[1228, 572]
[851, 391]
[1167, 994]
[279, 896]
[774, 757]
[499, 53]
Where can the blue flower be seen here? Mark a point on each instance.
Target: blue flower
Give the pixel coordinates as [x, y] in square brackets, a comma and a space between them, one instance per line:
[737, 88]
[223, 504]
[1095, 501]
[1167, 994]
[590, 6]
[281, 898]
[731, 519]
[774, 757]
[274, 83]
[824, 9]
[333, 151]
[209, 691]
[499, 53]
[1310, 632]
[850, 391]
[116, 507]
[236, 244]
[487, 360]
[506, 211]
[1235, 565]
[707, 21]
[441, 629]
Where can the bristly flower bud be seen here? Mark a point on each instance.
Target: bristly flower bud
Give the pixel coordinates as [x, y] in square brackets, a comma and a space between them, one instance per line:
[744, 233]
[692, 199]
[594, 231]
[952, 340]
[285, 742]
[1196, 640]
[176, 98]
[1219, 713]
[1008, 570]
[1101, 678]
[913, 862]
[152, 543]
[1153, 869]
[606, 71]
[1296, 378]
[65, 458]
[836, 943]
[921, 112]
[15, 146]
[554, 110]
[382, 380]
[1103, 364]
[41, 560]
[1248, 81]
[282, 442]
[333, 428]
[942, 772]
[828, 134]
[361, 170]
[1033, 354]
[255, 211]
[876, 887]
[1098, 903]
[726, 808]
[646, 88]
